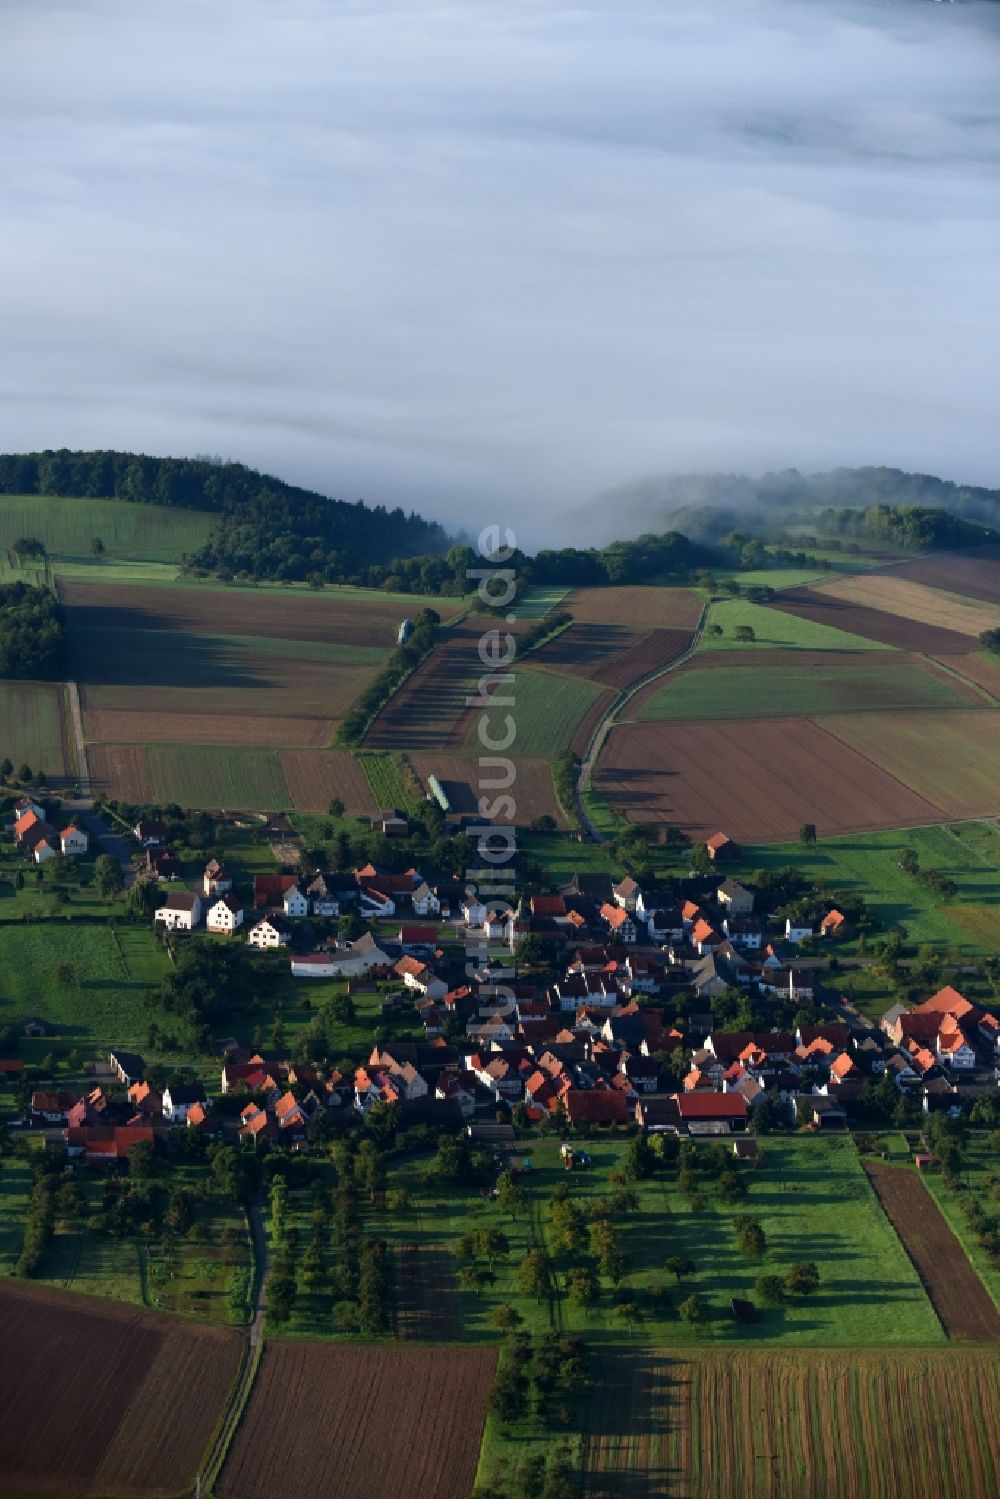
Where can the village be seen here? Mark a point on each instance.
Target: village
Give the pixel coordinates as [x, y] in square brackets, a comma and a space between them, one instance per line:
[602, 1005]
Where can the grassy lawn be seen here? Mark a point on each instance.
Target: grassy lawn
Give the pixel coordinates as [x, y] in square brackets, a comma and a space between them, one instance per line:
[749, 691]
[775, 629]
[982, 1165]
[67, 525]
[15, 1186]
[561, 856]
[868, 864]
[32, 727]
[108, 1002]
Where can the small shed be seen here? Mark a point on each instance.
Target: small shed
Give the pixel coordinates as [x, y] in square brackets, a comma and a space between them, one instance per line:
[742, 1311]
[924, 1160]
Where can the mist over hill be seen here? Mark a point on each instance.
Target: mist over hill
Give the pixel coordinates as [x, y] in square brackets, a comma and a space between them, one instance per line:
[705, 506]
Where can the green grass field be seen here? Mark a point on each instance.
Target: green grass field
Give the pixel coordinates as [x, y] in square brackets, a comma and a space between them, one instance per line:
[219, 776]
[32, 727]
[810, 1196]
[773, 691]
[547, 710]
[107, 1003]
[775, 630]
[868, 864]
[67, 526]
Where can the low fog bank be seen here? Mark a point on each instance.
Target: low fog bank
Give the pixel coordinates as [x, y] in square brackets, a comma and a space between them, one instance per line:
[498, 258]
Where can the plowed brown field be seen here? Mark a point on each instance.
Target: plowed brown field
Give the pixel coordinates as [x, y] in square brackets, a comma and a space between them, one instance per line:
[644, 606]
[102, 1399]
[975, 574]
[429, 710]
[813, 1425]
[322, 617]
[758, 783]
[117, 726]
[913, 600]
[120, 770]
[874, 624]
[315, 776]
[611, 654]
[949, 758]
[459, 775]
[328, 1419]
[962, 1302]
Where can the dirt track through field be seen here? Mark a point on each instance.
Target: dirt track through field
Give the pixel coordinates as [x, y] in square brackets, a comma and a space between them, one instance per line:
[959, 1297]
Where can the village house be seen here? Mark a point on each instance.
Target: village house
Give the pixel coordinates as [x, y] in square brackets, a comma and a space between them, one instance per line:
[391, 824]
[721, 847]
[417, 975]
[215, 879]
[619, 922]
[425, 901]
[294, 904]
[626, 893]
[798, 930]
[149, 831]
[735, 898]
[179, 1098]
[315, 965]
[270, 931]
[181, 911]
[73, 842]
[225, 915]
[127, 1066]
[322, 898]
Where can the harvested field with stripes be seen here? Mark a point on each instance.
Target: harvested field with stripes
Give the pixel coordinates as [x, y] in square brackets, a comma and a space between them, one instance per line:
[962, 1302]
[948, 759]
[101, 1399]
[429, 709]
[127, 726]
[315, 776]
[344, 1418]
[758, 785]
[876, 624]
[815, 1425]
[706, 688]
[912, 600]
[34, 727]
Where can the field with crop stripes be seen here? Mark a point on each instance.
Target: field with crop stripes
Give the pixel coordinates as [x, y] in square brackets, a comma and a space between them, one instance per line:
[334, 1418]
[817, 1425]
[101, 1399]
[33, 727]
[833, 685]
[547, 713]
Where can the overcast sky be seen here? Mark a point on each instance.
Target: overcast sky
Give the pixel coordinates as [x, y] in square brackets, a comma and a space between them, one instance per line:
[494, 256]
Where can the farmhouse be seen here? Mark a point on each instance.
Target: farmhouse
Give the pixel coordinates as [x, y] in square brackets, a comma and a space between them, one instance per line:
[711, 1113]
[128, 1067]
[225, 915]
[181, 911]
[73, 842]
[315, 965]
[105, 1144]
[269, 889]
[720, 847]
[270, 931]
[737, 900]
[391, 824]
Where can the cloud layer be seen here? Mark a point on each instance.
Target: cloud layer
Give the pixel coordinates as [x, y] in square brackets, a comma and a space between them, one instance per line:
[502, 253]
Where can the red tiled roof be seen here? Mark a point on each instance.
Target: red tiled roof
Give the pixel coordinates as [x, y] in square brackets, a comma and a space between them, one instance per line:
[711, 1105]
